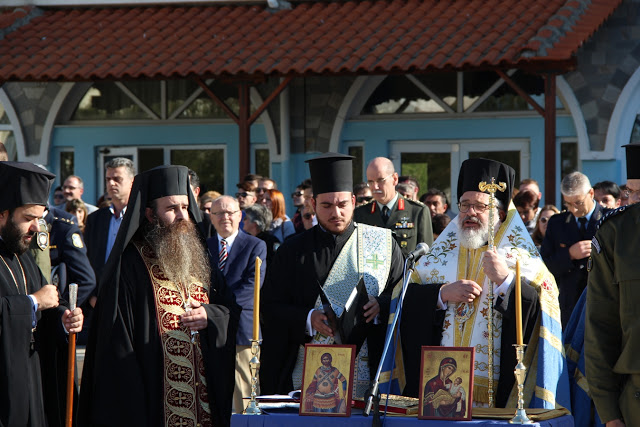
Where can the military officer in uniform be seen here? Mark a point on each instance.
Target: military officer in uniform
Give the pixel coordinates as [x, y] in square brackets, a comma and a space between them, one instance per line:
[612, 331]
[68, 254]
[409, 220]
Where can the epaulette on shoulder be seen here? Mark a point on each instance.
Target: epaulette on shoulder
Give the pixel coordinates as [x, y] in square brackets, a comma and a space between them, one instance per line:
[415, 202]
[611, 214]
[68, 221]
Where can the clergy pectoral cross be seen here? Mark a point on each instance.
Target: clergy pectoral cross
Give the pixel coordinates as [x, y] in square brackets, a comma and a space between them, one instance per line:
[187, 308]
[491, 189]
[375, 262]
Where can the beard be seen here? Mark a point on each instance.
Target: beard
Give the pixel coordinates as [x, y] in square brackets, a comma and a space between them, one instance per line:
[13, 238]
[179, 251]
[474, 238]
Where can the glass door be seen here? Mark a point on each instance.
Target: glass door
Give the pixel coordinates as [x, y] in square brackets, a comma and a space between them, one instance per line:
[436, 164]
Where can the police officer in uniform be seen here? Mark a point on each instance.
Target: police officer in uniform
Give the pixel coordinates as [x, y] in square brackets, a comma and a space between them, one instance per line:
[409, 220]
[68, 254]
[612, 332]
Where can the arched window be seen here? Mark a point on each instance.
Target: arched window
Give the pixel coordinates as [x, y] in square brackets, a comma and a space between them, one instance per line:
[8, 119]
[154, 100]
[454, 93]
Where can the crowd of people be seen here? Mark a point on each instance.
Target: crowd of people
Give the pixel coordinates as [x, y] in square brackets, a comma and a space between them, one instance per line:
[166, 281]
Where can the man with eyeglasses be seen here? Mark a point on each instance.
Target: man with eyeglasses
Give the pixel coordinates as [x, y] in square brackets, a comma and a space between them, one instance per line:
[73, 188]
[302, 193]
[363, 194]
[567, 243]
[612, 331]
[265, 184]
[246, 197]
[409, 220]
[453, 309]
[234, 253]
[314, 273]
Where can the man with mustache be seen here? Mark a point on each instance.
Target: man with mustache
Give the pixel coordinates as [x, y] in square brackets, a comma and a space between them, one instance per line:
[29, 308]
[161, 348]
[409, 220]
[458, 272]
[318, 270]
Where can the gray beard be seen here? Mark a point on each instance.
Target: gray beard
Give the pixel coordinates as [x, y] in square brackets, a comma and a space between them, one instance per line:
[179, 252]
[474, 239]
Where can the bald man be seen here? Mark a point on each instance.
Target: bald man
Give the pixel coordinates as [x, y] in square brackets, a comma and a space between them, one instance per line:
[409, 220]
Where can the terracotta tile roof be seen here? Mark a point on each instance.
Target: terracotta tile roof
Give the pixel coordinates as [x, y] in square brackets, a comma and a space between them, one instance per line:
[340, 37]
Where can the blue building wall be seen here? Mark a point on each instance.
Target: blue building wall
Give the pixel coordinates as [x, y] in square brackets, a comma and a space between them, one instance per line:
[85, 142]
[377, 136]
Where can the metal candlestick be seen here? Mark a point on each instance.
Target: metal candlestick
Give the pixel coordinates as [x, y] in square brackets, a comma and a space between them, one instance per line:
[254, 363]
[520, 372]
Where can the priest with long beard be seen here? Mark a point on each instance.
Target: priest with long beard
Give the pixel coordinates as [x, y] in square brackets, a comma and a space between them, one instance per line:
[161, 351]
[449, 303]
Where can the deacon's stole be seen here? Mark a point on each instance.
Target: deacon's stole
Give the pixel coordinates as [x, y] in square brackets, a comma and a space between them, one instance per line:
[466, 324]
[186, 402]
[367, 255]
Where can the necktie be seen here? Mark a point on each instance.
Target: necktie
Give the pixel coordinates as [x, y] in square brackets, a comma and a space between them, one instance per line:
[222, 256]
[385, 214]
[583, 226]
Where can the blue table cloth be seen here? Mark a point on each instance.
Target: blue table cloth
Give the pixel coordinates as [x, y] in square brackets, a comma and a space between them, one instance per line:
[284, 419]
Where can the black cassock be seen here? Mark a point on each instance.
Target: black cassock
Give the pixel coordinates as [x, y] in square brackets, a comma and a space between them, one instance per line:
[21, 389]
[421, 324]
[291, 289]
[122, 380]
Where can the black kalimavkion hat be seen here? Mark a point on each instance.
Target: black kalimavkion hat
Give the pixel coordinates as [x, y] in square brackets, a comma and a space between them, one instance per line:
[633, 160]
[475, 171]
[23, 183]
[331, 172]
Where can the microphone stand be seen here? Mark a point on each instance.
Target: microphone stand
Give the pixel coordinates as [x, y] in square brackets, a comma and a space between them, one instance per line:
[373, 394]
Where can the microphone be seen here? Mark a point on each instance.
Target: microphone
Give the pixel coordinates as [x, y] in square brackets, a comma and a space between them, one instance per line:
[421, 249]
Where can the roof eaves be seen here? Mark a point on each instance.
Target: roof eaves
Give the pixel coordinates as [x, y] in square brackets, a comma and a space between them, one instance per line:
[29, 13]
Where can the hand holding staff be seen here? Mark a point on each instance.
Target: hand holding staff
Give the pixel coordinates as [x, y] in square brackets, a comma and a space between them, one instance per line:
[71, 364]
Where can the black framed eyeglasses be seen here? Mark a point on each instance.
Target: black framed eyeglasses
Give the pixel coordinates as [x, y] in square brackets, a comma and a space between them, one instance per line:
[307, 216]
[478, 207]
[544, 220]
[364, 199]
[297, 194]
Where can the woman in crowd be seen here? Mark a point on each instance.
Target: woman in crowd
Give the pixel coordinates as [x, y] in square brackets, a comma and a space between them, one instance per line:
[541, 225]
[281, 226]
[257, 222]
[76, 207]
[526, 202]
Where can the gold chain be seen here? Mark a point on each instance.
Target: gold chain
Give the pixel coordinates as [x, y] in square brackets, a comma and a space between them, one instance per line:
[24, 278]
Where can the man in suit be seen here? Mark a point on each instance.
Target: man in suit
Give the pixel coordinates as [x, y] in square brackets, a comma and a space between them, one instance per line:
[234, 252]
[567, 243]
[409, 220]
[102, 226]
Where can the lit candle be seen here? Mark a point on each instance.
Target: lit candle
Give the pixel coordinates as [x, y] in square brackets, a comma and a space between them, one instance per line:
[518, 305]
[256, 301]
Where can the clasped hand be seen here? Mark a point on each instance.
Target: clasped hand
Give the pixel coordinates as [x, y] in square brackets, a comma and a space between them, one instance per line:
[73, 320]
[495, 268]
[319, 319]
[196, 318]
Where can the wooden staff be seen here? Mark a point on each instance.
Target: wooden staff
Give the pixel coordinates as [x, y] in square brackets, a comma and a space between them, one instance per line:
[71, 364]
[491, 188]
